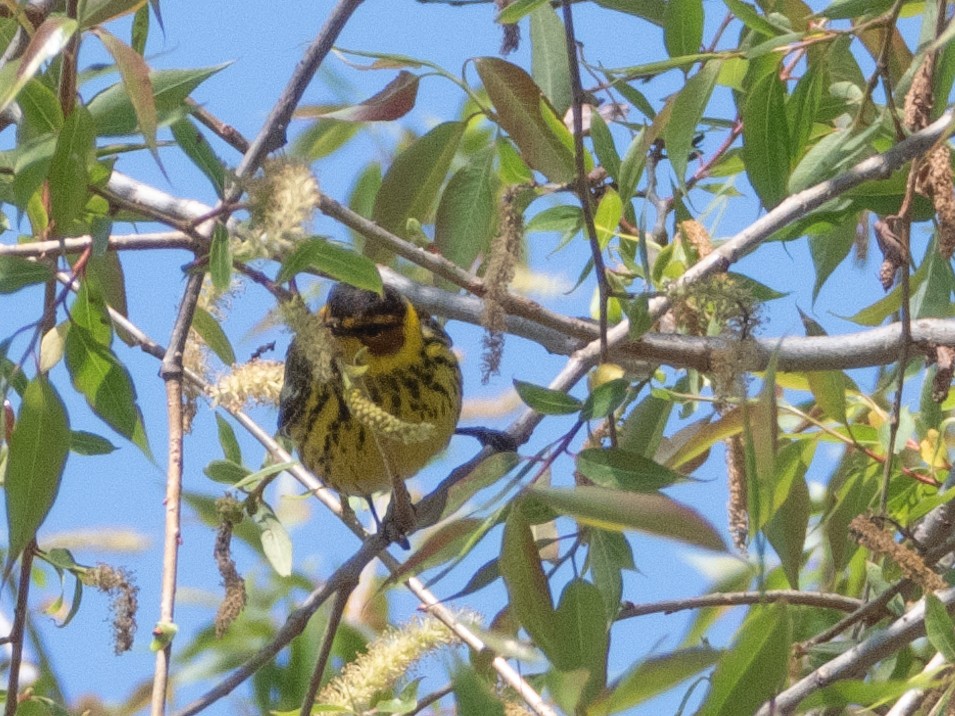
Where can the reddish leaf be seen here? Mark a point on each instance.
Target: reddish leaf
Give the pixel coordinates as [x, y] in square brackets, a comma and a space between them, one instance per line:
[47, 42]
[521, 106]
[139, 87]
[394, 101]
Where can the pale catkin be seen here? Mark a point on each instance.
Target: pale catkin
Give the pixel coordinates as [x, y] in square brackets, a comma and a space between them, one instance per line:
[918, 100]
[940, 186]
[502, 262]
[282, 202]
[258, 382]
[387, 660]
[383, 423]
[124, 594]
[867, 531]
[738, 507]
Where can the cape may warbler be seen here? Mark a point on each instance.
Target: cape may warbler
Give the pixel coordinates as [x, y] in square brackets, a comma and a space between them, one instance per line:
[390, 403]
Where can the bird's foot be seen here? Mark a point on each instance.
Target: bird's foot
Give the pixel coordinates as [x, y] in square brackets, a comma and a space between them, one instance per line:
[497, 440]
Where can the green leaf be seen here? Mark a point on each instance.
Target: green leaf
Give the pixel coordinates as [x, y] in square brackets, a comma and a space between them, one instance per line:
[766, 138]
[275, 540]
[695, 439]
[604, 146]
[140, 30]
[653, 676]
[754, 668]
[652, 10]
[409, 189]
[69, 168]
[609, 555]
[803, 105]
[646, 512]
[845, 9]
[549, 66]
[688, 108]
[47, 42]
[473, 696]
[38, 449]
[829, 155]
[85, 443]
[196, 147]
[607, 217]
[527, 588]
[786, 527]
[749, 16]
[212, 334]
[546, 401]
[933, 298]
[683, 27]
[583, 636]
[16, 272]
[139, 89]
[829, 248]
[324, 137]
[42, 114]
[337, 262]
[829, 389]
[467, 213]
[105, 383]
[228, 440]
[760, 430]
[220, 258]
[642, 429]
[89, 311]
[96, 12]
[563, 218]
[520, 104]
[113, 112]
[604, 399]
[32, 167]
[939, 627]
[517, 10]
[624, 470]
[226, 471]
[877, 312]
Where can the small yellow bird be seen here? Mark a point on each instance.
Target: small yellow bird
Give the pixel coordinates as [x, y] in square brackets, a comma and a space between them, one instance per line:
[392, 400]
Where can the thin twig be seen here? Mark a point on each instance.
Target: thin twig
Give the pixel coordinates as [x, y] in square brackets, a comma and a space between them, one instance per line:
[18, 630]
[226, 132]
[130, 242]
[172, 534]
[732, 599]
[858, 659]
[905, 335]
[328, 638]
[582, 187]
[431, 698]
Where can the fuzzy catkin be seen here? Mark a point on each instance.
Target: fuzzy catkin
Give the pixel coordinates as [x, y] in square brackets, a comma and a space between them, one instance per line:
[387, 660]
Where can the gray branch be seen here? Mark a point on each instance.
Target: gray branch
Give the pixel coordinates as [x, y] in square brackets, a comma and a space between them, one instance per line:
[857, 660]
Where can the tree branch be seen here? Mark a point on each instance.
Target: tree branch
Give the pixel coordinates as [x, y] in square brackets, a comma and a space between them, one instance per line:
[858, 659]
[732, 599]
[272, 135]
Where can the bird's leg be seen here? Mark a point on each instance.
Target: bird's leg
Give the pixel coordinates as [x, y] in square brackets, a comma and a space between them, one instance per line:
[497, 440]
[401, 518]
